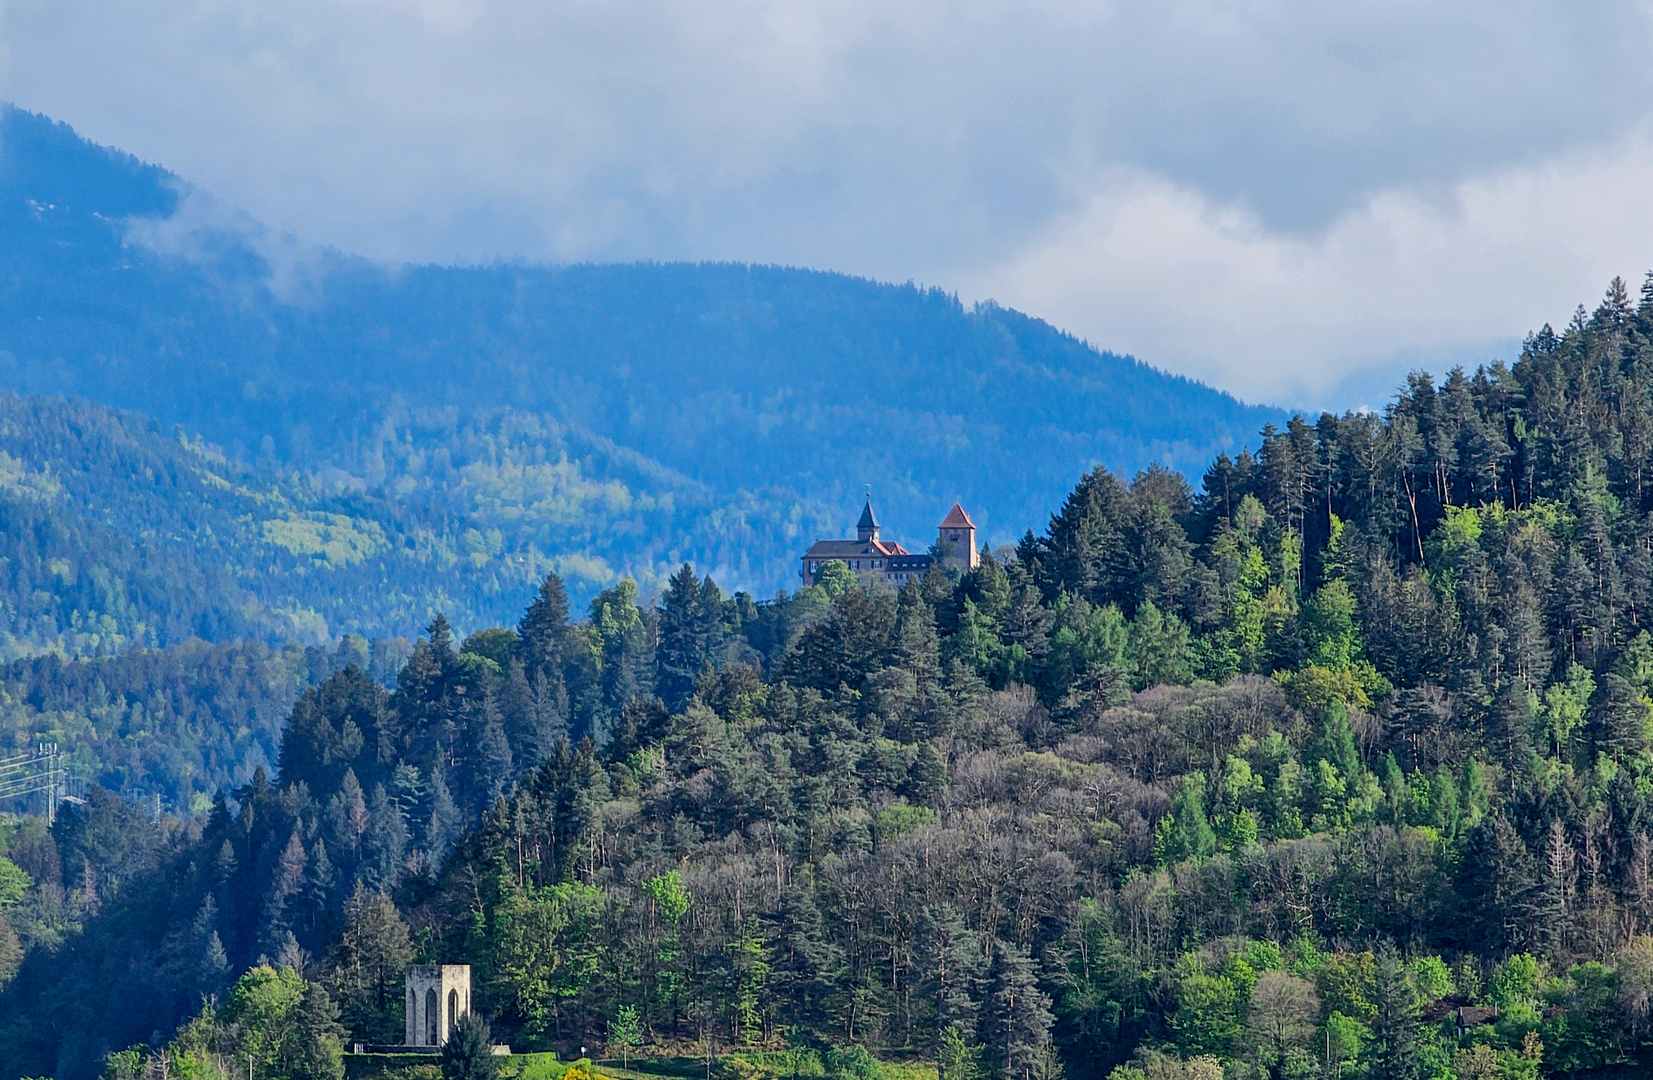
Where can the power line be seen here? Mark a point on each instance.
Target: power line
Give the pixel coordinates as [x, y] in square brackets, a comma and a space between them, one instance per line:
[42, 771]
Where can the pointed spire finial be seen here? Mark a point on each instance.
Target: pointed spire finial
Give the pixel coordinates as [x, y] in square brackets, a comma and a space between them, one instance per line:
[867, 528]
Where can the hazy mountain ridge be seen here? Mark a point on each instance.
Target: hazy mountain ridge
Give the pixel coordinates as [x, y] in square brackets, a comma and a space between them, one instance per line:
[779, 391]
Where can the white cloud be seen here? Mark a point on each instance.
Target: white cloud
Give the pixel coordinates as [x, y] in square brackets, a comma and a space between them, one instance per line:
[1156, 268]
[1033, 147]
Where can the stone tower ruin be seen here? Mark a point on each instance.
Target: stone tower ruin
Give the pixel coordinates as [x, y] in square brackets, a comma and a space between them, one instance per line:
[437, 996]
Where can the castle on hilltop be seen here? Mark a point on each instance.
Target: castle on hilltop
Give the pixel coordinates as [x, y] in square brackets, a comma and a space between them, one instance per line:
[874, 559]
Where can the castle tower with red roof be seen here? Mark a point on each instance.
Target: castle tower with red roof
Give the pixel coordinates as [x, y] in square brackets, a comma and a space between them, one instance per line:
[957, 539]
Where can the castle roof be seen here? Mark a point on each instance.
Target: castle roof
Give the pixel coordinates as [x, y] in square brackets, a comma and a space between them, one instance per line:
[868, 519]
[957, 519]
[844, 549]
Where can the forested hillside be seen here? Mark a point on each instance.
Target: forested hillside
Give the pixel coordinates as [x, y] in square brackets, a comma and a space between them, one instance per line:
[175, 724]
[1288, 777]
[615, 419]
[115, 535]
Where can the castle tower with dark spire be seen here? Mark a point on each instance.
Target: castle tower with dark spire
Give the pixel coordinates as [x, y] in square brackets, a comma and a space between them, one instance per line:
[866, 530]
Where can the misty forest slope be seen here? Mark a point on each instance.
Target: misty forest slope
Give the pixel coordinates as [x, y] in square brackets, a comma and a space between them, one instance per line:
[518, 399]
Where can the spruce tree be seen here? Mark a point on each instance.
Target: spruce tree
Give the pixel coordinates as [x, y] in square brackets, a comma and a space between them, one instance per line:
[805, 961]
[443, 822]
[365, 967]
[1394, 1051]
[950, 969]
[1016, 1019]
[285, 892]
[692, 633]
[1497, 881]
[214, 971]
[334, 726]
[543, 630]
[424, 713]
[384, 844]
[1554, 900]
[347, 816]
[927, 778]
[1620, 721]
[918, 709]
[320, 1037]
[625, 640]
[323, 879]
[534, 710]
[469, 1053]
[486, 753]
[211, 965]
[1158, 555]
[289, 954]
[1085, 554]
[1510, 730]
[1186, 833]
[642, 723]
[1030, 553]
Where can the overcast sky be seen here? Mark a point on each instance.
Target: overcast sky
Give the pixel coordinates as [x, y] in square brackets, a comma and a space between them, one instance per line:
[1294, 200]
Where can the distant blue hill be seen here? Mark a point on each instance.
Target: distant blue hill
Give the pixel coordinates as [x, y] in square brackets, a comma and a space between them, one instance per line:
[509, 400]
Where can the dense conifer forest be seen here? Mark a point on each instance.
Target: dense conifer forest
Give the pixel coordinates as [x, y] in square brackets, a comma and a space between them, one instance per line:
[1340, 766]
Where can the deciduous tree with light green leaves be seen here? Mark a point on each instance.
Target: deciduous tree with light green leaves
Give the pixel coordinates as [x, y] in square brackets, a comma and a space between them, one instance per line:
[545, 947]
[625, 1034]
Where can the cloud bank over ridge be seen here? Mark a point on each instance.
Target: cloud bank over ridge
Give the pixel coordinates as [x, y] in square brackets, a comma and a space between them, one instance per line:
[1399, 278]
[1281, 197]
